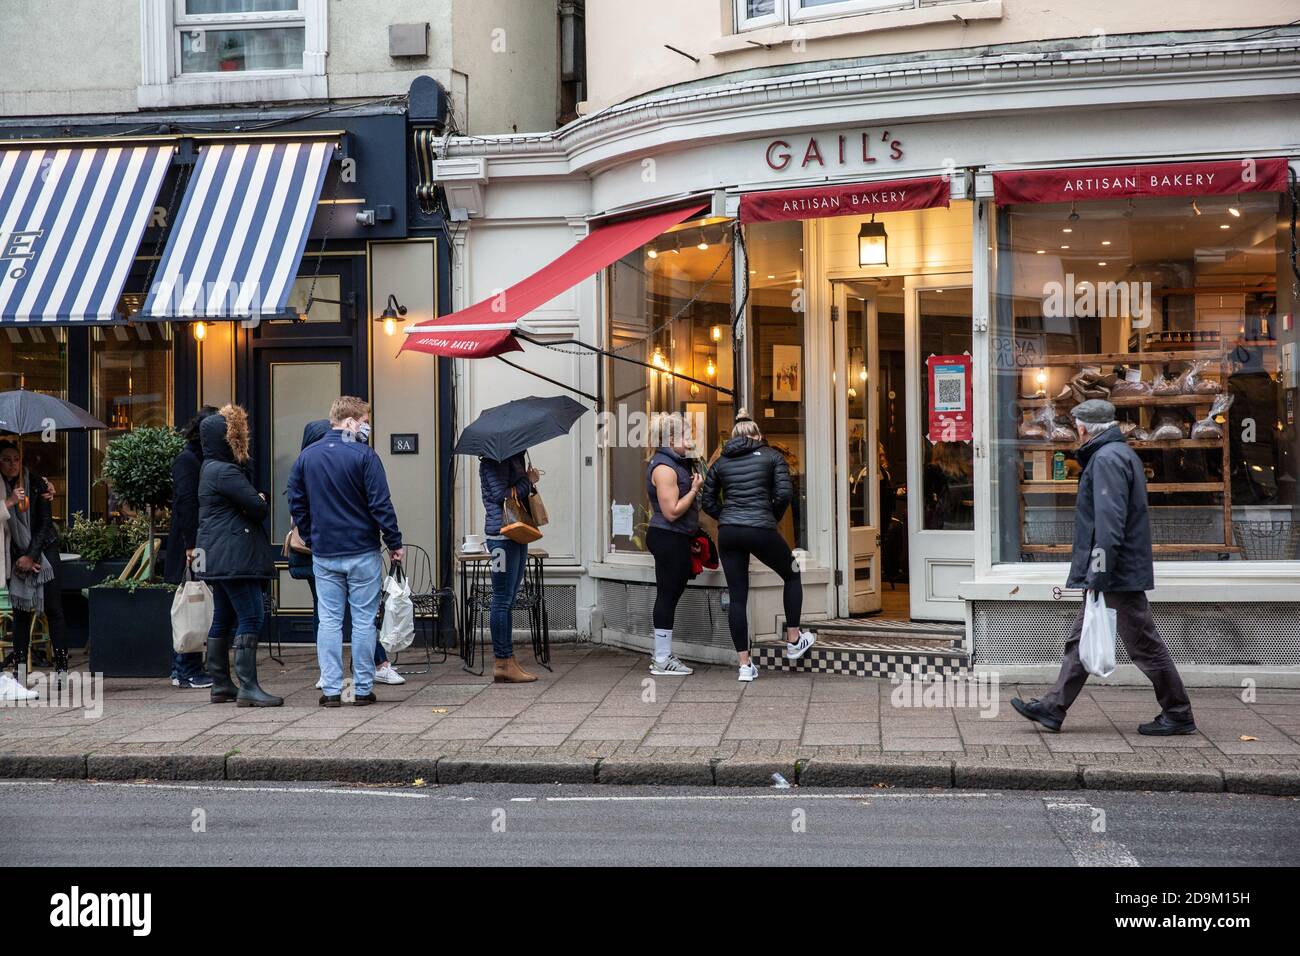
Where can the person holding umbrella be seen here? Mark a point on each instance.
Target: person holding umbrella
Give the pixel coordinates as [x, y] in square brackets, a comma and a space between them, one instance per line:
[501, 437]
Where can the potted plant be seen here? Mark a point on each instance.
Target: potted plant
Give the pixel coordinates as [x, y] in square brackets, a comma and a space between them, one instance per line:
[130, 615]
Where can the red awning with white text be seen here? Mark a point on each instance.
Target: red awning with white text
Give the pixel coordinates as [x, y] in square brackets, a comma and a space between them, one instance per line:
[1217, 178]
[488, 327]
[856, 199]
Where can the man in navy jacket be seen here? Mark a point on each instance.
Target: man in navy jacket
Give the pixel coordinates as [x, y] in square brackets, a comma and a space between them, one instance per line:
[339, 500]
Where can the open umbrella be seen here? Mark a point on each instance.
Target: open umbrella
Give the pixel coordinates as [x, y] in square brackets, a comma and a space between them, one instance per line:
[35, 413]
[506, 430]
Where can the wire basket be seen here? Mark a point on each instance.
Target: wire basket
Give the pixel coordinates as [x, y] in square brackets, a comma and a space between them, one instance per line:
[1267, 540]
[1049, 530]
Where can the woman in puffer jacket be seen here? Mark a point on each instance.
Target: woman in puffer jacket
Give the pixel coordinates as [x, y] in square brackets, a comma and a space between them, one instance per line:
[748, 490]
[498, 480]
[233, 555]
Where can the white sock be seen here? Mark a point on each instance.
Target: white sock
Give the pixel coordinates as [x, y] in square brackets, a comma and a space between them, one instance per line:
[663, 643]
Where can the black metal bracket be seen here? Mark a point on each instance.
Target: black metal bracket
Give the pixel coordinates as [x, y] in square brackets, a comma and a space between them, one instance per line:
[546, 378]
[623, 358]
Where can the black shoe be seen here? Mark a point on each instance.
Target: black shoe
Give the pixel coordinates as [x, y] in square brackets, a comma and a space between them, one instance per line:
[1164, 726]
[331, 700]
[1036, 710]
[365, 700]
[250, 692]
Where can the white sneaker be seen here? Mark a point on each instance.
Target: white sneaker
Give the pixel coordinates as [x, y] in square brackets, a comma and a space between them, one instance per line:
[11, 690]
[385, 674]
[669, 667]
[796, 650]
[748, 672]
[320, 682]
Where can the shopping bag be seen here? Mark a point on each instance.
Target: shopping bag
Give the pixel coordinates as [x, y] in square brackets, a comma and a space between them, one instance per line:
[397, 629]
[191, 615]
[516, 523]
[1097, 642]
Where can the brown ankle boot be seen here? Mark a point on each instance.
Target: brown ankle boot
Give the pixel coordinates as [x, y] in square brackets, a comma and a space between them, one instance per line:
[507, 671]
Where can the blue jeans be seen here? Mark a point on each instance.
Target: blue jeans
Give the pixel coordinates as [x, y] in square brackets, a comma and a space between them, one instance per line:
[507, 566]
[353, 581]
[380, 654]
[237, 607]
[187, 666]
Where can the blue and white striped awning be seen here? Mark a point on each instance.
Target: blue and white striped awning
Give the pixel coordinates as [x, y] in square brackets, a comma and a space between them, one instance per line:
[236, 243]
[71, 221]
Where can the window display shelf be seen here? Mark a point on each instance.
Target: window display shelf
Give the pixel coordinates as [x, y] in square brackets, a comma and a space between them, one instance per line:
[1193, 353]
[1136, 401]
[1047, 486]
[1156, 548]
[1028, 444]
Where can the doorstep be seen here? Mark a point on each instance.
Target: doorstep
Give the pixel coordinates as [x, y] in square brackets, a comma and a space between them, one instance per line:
[868, 653]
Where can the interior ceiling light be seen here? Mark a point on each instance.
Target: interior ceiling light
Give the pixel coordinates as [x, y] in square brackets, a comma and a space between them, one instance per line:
[1067, 229]
[1074, 212]
[652, 252]
[1041, 252]
[1105, 242]
[1234, 212]
[1195, 208]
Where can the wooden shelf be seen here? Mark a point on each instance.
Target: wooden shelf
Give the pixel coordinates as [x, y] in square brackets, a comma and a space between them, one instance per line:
[1028, 444]
[1156, 548]
[1134, 401]
[1159, 487]
[1132, 358]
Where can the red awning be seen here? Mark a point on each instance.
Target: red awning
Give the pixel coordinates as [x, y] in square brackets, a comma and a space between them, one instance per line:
[1218, 178]
[487, 328]
[857, 199]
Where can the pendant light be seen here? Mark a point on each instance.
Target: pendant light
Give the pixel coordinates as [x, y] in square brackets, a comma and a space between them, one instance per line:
[873, 244]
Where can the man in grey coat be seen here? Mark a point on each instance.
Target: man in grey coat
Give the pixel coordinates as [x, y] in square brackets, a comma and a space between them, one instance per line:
[1112, 554]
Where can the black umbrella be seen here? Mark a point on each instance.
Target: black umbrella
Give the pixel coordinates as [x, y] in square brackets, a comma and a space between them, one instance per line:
[506, 430]
[30, 413]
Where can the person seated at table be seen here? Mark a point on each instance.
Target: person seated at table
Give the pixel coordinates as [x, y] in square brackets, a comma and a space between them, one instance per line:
[498, 480]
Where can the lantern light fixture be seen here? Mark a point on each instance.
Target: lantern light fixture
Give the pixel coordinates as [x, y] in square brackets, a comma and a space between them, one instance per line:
[873, 244]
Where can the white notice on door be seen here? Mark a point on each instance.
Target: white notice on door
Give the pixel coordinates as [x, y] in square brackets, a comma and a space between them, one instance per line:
[622, 515]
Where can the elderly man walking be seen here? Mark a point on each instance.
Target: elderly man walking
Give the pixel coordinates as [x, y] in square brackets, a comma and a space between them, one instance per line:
[1112, 554]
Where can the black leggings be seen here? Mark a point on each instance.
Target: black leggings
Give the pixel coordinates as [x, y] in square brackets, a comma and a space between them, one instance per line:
[53, 591]
[672, 551]
[735, 544]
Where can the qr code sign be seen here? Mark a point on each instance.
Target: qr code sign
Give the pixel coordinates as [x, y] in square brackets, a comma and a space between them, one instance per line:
[950, 391]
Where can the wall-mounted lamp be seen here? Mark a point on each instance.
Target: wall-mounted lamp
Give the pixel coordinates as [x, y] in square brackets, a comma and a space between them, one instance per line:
[200, 331]
[715, 333]
[389, 316]
[658, 360]
[710, 370]
[873, 244]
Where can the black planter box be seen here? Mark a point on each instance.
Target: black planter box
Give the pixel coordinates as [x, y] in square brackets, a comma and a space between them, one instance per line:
[131, 634]
[78, 575]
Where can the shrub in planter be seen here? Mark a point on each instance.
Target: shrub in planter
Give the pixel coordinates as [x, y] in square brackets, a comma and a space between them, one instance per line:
[138, 467]
[130, 628]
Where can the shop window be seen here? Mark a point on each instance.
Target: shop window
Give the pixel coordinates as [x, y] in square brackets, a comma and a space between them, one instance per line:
[37, 359]
[778, 356]
[669, 306]
[1172, 308]
[130, 386]
[947, 467]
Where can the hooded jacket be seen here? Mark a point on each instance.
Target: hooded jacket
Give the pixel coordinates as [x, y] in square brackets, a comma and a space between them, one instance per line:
[1112, 531]
[749, 485]
[231, 534]
[300, 566]
[184, 530]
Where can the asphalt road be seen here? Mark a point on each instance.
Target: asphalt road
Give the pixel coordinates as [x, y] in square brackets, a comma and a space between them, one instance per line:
[127, 824]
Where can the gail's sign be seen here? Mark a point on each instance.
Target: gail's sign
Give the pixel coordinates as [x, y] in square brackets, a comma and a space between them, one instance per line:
[833, 151]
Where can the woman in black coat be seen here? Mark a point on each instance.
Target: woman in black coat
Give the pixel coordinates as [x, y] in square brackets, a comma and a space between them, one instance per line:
[233, 555]
[187, 669]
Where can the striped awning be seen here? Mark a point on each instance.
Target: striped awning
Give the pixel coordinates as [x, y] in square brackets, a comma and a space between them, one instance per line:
[237, 240]
[71, 221]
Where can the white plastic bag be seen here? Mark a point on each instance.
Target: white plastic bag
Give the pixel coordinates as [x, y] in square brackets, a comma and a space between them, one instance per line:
[1097, 643]
[191, 615]
[397, 630]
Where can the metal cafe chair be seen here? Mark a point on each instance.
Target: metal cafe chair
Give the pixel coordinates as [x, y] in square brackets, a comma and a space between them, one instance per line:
[39, 632]
[427, 602]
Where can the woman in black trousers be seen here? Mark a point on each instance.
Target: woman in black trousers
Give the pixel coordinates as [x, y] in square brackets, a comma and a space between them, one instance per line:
[673, 486]
[748, 490]
[187, 669]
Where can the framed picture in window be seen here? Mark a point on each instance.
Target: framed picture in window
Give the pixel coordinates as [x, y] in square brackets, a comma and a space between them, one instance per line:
[787, 373]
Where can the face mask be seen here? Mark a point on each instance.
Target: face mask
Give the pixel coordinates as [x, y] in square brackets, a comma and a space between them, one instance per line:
[363, 432]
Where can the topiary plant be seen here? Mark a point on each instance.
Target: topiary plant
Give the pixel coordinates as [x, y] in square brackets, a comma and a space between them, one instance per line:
[138, 467]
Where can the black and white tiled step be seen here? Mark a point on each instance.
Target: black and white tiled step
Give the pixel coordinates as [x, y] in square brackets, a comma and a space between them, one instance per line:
[875, 658]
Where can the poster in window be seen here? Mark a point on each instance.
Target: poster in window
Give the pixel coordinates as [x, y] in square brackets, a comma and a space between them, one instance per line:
[787, 373]
[950, 398]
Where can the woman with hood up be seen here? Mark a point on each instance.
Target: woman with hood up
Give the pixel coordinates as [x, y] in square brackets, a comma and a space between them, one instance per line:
[187, 669]
[236, 557]
[748, 490]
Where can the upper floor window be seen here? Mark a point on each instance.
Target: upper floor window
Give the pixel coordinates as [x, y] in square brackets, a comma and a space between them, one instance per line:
[752, 14]
[225, 36]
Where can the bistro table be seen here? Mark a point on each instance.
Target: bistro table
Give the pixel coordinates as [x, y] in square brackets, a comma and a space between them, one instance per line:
[476, 605]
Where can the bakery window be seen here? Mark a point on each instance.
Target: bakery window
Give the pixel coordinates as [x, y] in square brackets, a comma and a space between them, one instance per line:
[1180, 312]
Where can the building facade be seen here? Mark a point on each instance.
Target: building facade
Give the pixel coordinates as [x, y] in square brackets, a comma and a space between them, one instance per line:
[295, 134]
[909, 237]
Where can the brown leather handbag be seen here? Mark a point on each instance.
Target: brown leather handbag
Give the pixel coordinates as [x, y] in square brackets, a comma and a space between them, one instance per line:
[516, 523]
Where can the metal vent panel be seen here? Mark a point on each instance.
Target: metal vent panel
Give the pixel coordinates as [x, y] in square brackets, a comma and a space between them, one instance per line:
[627, 607]
[1031, 632]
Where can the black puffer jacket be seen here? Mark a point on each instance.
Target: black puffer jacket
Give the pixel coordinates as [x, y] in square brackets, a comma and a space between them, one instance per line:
[749, 484]
[1112, 532]
[185, 511]
[231, 534]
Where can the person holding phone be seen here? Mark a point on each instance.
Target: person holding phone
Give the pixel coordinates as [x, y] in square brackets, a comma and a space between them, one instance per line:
[673, 487]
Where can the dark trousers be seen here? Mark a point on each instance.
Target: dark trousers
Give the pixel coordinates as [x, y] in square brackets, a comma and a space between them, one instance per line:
[672, 552]
[53, 593]
[237, 607]
[1145, 649]
[735, 544]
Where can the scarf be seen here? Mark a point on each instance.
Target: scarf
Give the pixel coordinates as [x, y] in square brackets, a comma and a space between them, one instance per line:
[26, 589]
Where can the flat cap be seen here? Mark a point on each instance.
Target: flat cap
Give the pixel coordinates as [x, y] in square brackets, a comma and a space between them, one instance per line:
[1095, 411]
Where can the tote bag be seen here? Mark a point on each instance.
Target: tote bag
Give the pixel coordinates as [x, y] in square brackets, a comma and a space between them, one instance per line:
[191, 615]
[1097, 642]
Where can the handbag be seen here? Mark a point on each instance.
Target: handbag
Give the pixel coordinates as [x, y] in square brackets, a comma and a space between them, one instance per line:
[191, 615]
[537, 507]
[1097, 641]
[293, 542]
[397, 629]
[516, 523]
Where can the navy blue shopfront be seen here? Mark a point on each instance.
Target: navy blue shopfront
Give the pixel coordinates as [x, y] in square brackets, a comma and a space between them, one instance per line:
[154, 359]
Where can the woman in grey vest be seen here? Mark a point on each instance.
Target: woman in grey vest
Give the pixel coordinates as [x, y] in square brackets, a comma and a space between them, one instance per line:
[673, 486]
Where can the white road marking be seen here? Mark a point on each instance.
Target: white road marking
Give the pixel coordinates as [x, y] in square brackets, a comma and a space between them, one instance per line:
[1073, 825]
